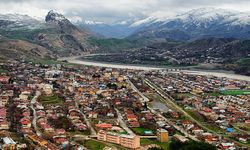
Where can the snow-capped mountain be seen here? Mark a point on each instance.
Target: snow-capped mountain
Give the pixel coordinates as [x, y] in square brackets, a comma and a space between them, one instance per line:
[119, 29]
[56, 33]
[199, 23]
[16, 17]
[210, 15]
[194, 24]
[54, 16]
[17, 21]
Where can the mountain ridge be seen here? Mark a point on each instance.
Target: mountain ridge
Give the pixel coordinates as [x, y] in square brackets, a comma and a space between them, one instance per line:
[220, 22]
[56, 34]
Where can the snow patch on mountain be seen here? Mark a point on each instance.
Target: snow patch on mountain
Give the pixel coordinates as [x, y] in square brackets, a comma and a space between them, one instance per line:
[142, 22]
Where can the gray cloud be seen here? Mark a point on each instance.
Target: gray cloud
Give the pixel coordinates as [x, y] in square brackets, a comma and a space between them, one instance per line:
[113, 10]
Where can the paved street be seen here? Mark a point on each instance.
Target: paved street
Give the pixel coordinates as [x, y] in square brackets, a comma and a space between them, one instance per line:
[122, 123]
[32, 102]
[165, 119]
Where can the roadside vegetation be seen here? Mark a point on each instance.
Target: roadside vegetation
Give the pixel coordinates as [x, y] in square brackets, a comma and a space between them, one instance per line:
[191, 145]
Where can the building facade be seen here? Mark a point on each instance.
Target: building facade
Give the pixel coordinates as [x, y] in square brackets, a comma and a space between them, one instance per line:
[128, 141]
[162, 135]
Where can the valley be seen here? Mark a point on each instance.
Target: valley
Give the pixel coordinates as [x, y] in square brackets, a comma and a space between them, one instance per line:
[57, 37]
[143, 81]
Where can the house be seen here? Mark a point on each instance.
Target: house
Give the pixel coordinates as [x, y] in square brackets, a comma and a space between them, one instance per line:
[180, 138]
[60, 140]
[60, 131]
[23, 96]
[81, 127]
[134, 124]
[3, 113]
[47, 128]
[4, 125]
[4, 79]
[92, 115]
[3, 101]
[25, 122]
[104, 126]
[247, 121]
[131, 117]
[227, 145]
[48, 89]
[110, 114]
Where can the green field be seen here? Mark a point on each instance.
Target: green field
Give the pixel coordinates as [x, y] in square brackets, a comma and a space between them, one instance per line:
[94, 145]
[2, 70]
[195, 114]
[214, 94]
[145, 142]
[46, 61]
[55, 100]
[140, 130]
[86, 132]
[236, 92]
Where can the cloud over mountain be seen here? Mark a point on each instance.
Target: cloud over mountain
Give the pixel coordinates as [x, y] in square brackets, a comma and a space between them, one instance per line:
[114, 10]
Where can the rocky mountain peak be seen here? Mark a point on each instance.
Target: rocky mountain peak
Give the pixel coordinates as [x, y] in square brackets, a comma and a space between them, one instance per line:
[53, 16]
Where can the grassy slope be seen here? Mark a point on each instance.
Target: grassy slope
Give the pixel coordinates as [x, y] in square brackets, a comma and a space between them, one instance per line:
[48, 100]
[114, 45]
[94, 145]
[145, 142]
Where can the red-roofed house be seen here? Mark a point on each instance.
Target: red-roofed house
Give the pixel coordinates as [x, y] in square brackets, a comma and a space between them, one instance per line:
[104, 126]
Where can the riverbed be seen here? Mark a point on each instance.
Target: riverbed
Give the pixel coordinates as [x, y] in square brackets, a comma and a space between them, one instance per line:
[148, 68]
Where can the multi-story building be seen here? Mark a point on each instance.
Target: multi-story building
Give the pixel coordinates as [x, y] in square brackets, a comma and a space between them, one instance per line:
[162, 135]
[128, 141]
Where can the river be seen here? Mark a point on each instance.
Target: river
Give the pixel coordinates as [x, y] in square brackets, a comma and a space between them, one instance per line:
[148, 68]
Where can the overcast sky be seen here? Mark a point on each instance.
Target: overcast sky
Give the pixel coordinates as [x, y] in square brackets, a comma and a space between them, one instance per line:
[114, 10]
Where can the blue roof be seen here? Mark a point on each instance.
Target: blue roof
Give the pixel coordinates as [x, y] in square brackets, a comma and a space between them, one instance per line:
[148, 132]
[230, 129]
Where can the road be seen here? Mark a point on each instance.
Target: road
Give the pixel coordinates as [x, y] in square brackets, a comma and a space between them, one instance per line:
[165, 119]
[92, 130]
[119, 118]
[170, 101]
[86, 120]
[145, 99]
[32, 102]
[122, 123]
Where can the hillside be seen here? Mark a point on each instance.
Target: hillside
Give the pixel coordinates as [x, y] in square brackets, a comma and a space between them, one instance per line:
[57, 34]
[22, 50]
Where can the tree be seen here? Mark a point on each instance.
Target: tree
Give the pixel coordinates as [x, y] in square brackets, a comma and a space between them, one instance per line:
[191, 145]
[155, 148]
